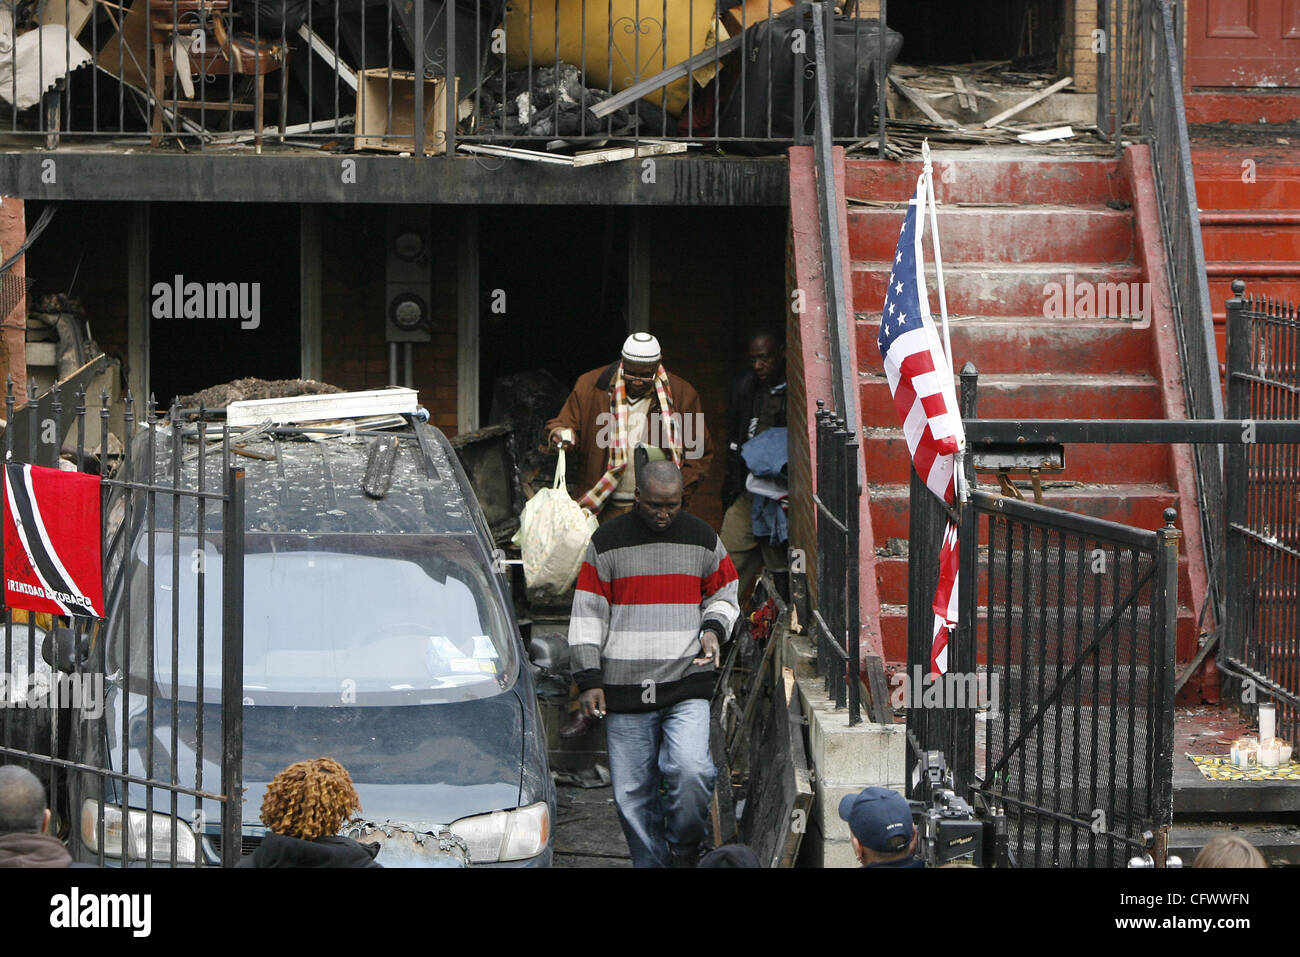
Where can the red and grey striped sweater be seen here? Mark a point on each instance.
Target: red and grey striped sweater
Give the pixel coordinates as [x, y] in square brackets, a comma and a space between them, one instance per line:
[641, 601]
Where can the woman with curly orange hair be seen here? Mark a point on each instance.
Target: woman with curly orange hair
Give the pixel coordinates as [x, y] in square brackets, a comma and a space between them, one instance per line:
[305, 806]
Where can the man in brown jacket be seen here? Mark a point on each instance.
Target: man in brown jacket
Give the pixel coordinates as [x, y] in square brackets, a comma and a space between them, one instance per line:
[633, 401]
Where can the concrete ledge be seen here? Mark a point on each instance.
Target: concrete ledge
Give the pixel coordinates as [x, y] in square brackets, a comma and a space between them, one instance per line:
[844, 760]
[861, 755]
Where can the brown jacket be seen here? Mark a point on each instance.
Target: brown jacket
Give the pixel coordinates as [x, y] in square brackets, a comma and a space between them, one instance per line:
[593, 395]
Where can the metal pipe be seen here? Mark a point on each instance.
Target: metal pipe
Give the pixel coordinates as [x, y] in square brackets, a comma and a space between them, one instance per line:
[232, 665]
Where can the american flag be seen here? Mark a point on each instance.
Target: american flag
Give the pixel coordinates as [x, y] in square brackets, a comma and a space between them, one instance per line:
[920, 380]
[945, 601]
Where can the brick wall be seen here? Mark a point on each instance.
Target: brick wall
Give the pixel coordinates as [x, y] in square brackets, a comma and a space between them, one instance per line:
[1082, 15]
[354, 350]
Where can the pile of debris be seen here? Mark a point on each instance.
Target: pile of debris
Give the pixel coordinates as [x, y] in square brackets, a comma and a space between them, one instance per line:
[220, 396]
[976, 104]
[551, 101]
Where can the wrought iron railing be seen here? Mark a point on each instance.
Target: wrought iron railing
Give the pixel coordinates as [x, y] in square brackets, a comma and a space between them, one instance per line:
[1152, 91]
[1058, 702]
[1081, 617]
[838, 463]
[108, 700]
[836, 616]
[1261, 646]
[341, 74]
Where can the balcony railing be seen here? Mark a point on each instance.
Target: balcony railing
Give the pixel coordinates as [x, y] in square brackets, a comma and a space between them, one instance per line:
[556, 77]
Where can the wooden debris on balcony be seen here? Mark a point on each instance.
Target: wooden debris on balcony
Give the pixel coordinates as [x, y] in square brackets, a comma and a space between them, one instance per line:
[584, 158]
[1029, 101]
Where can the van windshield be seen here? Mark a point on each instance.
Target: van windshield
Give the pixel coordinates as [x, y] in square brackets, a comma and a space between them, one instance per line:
[328, 620]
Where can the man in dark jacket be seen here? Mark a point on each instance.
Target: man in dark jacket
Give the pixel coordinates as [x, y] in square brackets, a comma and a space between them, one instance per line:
[24, 821]
[757, 402]
[880, 822]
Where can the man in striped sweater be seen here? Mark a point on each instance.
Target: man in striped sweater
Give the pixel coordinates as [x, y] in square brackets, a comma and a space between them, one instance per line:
[655, 599]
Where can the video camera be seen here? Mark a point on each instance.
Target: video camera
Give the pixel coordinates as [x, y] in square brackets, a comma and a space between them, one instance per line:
[950, 829]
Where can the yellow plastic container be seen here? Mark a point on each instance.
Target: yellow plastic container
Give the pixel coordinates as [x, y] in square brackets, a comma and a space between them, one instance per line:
[647, 37]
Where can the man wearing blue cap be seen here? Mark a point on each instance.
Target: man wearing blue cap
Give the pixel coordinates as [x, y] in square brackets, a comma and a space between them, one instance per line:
[880, 822]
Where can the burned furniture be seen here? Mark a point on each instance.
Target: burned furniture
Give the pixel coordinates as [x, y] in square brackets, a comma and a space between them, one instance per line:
[195, 38]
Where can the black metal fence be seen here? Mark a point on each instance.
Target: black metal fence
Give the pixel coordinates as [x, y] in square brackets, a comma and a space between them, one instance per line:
[836, 615]
[1078, 640]
[134, 722]
[1261, 646]
[343, 73]
[1058, 704]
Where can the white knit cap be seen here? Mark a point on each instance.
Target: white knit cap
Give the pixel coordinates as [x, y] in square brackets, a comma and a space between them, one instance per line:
[641, 347]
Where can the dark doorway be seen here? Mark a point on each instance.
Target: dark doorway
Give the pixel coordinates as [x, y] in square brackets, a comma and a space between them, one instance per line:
[234, 310]
[957, 31]
[553, 290]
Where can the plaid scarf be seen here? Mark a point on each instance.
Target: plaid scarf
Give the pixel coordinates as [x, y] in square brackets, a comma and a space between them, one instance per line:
[594, 500]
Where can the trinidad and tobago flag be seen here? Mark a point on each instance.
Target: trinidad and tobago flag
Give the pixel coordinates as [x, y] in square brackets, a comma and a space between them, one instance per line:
[52, 541]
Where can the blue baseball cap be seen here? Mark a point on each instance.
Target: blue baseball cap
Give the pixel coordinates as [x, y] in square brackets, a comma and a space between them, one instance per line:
[879, 818]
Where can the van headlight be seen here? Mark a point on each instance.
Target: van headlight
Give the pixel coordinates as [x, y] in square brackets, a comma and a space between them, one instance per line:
[139, 825]
[505, 835]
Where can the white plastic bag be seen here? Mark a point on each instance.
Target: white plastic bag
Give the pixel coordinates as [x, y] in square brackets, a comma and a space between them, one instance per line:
[553, 534]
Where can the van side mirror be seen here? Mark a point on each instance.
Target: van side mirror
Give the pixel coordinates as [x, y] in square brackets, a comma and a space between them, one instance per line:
[61, 649]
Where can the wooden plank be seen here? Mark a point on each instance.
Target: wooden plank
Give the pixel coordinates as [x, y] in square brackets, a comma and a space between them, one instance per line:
[877, 700]
[514, 152]
[963, 97]
[327, 53]
[675, 72]
[618, 153]
[919, 102]
[1029, 101]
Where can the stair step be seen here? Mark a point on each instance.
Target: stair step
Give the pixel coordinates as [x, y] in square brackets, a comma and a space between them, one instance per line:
[893, 633]
[1141, 506]
[888, 463]
[1278, 838]
[1036, 396]
[1219, 187]
[1027, 234]
[1251, 244]
[968, 177]
[1039, 289]
[892, 576]
[1032, 344]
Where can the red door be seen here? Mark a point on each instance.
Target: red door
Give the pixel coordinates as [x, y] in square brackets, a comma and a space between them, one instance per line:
[1243, 43]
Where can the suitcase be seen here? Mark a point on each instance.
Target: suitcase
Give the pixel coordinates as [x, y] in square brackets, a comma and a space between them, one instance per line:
[760, 103]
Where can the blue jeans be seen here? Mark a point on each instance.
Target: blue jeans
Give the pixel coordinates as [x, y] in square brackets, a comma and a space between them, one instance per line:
[672, 746]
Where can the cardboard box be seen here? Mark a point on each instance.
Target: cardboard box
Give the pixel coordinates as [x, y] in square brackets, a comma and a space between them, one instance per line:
[373, 130]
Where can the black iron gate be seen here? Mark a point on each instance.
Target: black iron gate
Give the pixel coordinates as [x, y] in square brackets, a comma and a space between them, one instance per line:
[1058, 705]
[836, 614]
[1261, 648]
[110, 714]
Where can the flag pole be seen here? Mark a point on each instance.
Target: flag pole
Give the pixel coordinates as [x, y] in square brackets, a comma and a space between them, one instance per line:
[934, 241]
[928, 170]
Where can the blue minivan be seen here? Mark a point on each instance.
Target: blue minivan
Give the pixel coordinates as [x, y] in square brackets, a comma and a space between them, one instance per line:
[378, 630]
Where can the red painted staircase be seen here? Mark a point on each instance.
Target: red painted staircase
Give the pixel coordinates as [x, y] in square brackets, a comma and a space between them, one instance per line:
[1010, 225]
[1249, 200]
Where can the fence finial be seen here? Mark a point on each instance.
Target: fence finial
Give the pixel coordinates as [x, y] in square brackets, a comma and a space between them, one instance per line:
[1171, 514]
[1238, 287]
